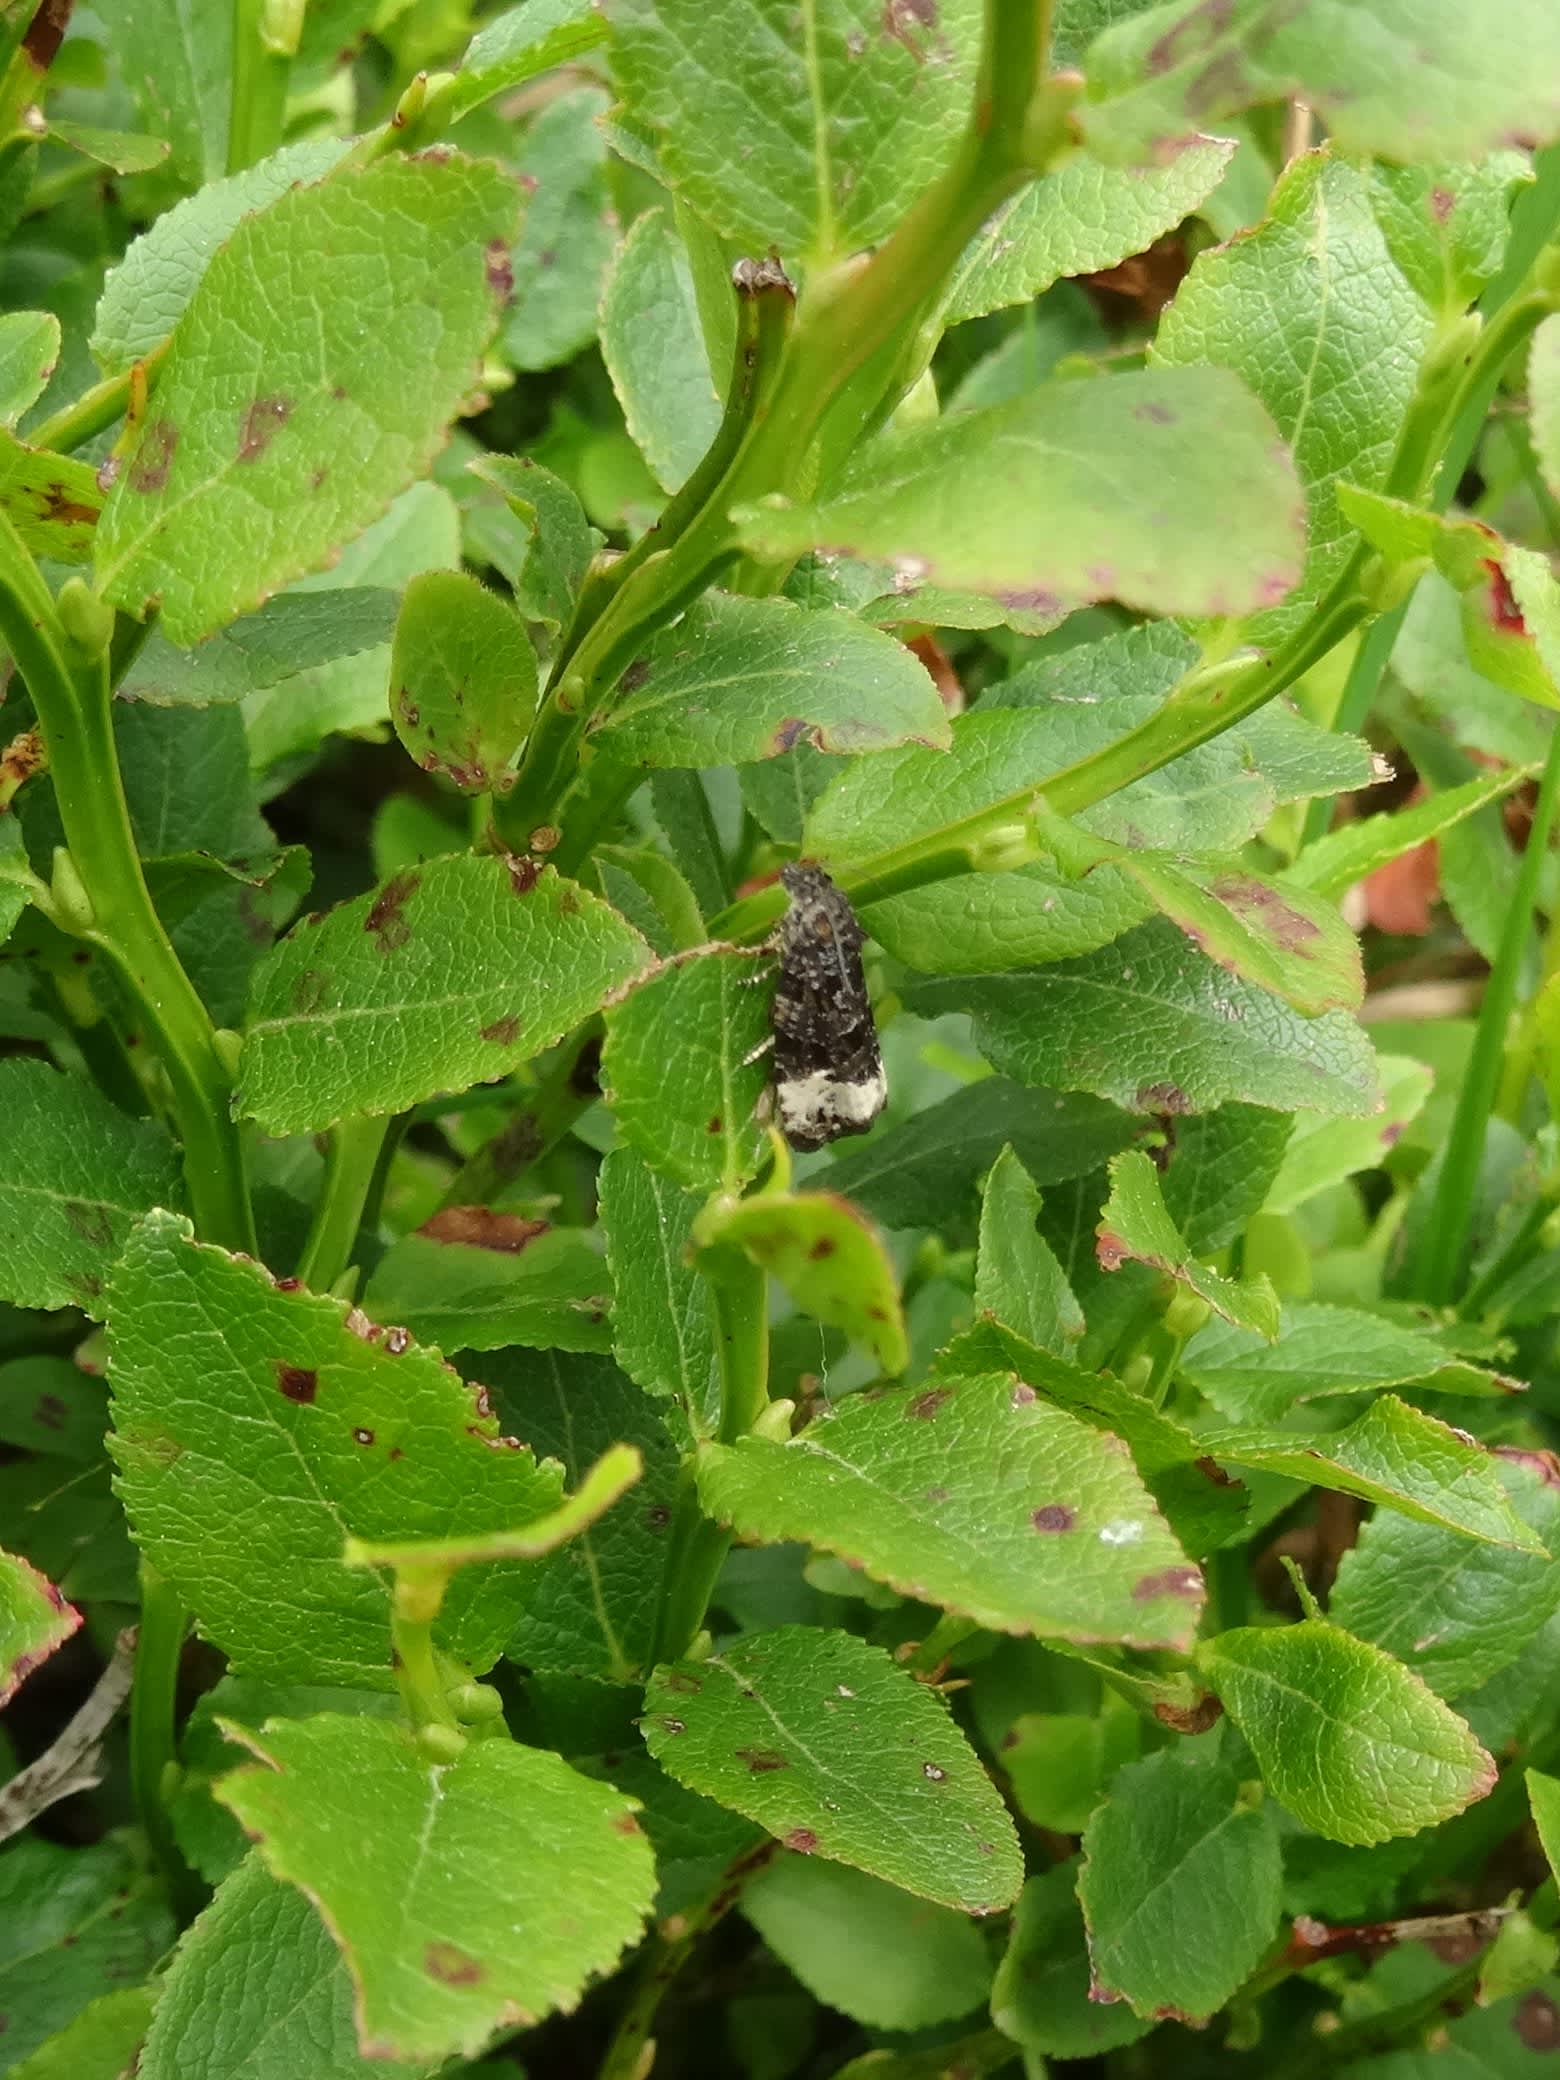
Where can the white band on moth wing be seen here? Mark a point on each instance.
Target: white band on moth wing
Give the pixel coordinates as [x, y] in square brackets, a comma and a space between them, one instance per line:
[805, 1100]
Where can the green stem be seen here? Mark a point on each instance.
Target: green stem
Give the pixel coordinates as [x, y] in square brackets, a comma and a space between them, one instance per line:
[30, 61]
[265, 35]
[153, 1745]
[1451, 1210]
[351, 1165]
[414, 1604]
[105, 403]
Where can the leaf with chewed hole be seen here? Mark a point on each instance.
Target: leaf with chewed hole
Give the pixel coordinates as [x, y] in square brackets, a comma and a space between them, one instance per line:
[1041, 501]
[977, 1495]
[281, 426]
[448, 975]
[440, 1880]
[827, 1256]
[256, 1428]
[1136, 1228]
[743, 679]
[462, 681]
[839, 1752]
[1354, 1745]
[34, 1620]
[474, 1280]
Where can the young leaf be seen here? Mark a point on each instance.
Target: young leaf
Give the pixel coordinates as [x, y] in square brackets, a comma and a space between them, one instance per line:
[75, 1175]
[662, 1331]
[321, 426]
[1192, 1037]
[653, 346]
[29, 355]
[481, 1283]
[1410, 79]
[813, 144]
[442, 978]
[383, 1442]
[1355, 1746]
[1181, 1884]
[839, 1752]
[1310, 310]
[1041, 1995]
[566, 244]
[830, 1260]
[1455, 1611]
[34, 1620]
[680, 1071]
[981, 924]
[1321, 1351]
[463, 680]
[438, 1880]
[958, 502]
[874, 1952]
[977, 1495]
[1396, 1455]
[1136, 1228]
[744, 679]
[258, 1987]
[52, 501]
[1017, 1278]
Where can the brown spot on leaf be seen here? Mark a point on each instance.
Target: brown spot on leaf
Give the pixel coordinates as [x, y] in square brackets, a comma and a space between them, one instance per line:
[1161, 1097]
[297, 1382]
[825, 1246]
[635, 676]
[57, 504]
[522, 873]
[1170, 1581]
[934, 1772]
[1156, 414]
[1194, 1718]
[802, 1840]
[1021, 1395]
[716, 1124]
[673, 1725]
[481, 1228]
[626, 1824]
[49, 1412]
[452, 1966]
[1053, 1516]
[1442, 203]
[385, 923]
[154, 457]
[1211, 1470]
[502, 1031]
[1505, 614]
[681, 1684]
[658, 1516]
[498, 269]
[787, 736]
[926, 1405]
[1110, 1251]
[1258, 903]
[1537, 2022]
[91, 1223]
[260, 425]
[761, 1761]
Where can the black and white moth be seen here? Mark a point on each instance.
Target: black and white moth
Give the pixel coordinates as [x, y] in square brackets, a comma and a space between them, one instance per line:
[828, 1069]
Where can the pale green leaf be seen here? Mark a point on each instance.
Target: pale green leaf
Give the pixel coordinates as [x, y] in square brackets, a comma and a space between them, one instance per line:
[439, 1881]
[560, 541]
[281, 426]
[1355, 1746]
[835, 1749]
[516, 1282]
[52, 501]
[35, 1619]
[176, 57]
[269, 1426]
[520, 43]
[1136, 1227]
[29, 355]
[122, 151]
[1544, 1797]
[463, 679]
[827, 1255]
[1039, 502]
[1446, 225]
[977, 1495]
[565, 245]
[1323, 1152]
[447, 976]
[1017, 1277]
[654, 349]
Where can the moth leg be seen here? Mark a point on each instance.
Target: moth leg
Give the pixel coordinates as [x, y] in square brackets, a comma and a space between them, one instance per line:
[756, 1053]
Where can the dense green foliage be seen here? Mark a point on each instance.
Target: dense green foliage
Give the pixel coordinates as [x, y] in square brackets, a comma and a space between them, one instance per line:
[1074, 1575]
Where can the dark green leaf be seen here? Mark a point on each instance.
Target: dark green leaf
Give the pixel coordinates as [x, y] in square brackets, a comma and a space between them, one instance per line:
[662, 1331]
[1041, 1996]
[512, 1282]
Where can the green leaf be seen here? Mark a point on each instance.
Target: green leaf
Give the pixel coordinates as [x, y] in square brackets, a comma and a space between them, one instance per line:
[1322, 1352]
[258, 1989]
[1077, 219]
[146, 294]
[176, 57]
[1017, 1277]
[122, 151]
[1322, 1152]
[1447, 225]
[75, 1175]
[977, 1495]
[1136, 1228]
[98, 2044]
[1544, 1797]
[561, 541]
[679, 1068]
[1396, 1455]
[35, 1619]
[319, 427]
[517, 45]
[513, 1281]
[1060, 1763]
[839, 1752]
[960, 502]
[653, 345]
[827, 1256]
[270, 1426]
[643, 884]
[1218, 1170]
[1356, 1747]
[76, 1923]
[29, 355]
[591, 1608]
[358, 1012]
[1352, 851]
[915, 1174]
[1544, 394]
[815, 144]
[439, 1881]
[980, 923]
[1410, 79]
[52, 501]
[464, 680]
[743, 679]
[49, 1405]
[1150, 1024]
[874, 1952]
[565, 245]
[1181, 1884]
[294, 633]
[1311, 312]
[1041, 1995]
[1454, 1611]
[662, 1330]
